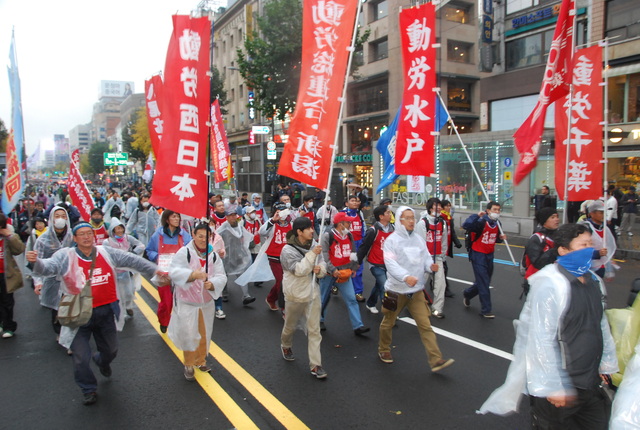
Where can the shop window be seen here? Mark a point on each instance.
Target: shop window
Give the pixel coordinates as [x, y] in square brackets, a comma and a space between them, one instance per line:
[459, 96]
[370, 98]
[462, 125]
[623, 19]
[455, 13]
[379, 10]
[524, 52]
[363, 134]
[624, 98]
[379, 50]
[460, 52]
[364, 177]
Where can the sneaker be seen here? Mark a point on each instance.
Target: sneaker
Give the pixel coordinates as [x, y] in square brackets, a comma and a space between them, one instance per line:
[361, 330]
[437, 314]
[163, 328]
[220, 314]
[7, 334]
[204, 368]
[334, 290]
[372, 309]
[360, 298]
[442, 364]
[89, 398]
[189, 373]
[104, 370]
[319, 372]
[247, 300]
[130, 312]
[630, 234]
[385, 357]
[489, 316]
[287, 353]
[322, 326]
[466, 302]
[272, 305]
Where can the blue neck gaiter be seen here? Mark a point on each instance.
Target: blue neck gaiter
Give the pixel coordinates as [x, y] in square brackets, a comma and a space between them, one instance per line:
[577, 262]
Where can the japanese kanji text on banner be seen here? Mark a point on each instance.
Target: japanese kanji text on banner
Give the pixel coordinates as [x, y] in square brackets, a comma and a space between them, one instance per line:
[585, 137]
[414, 146]
[185, 112]
[153, 89]
[327, 30]
[220, 154]
[78, 191]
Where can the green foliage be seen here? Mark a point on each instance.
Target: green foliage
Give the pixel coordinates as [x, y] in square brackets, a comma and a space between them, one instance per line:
[218, 91]
[140, 133]
[4, 134]
[128, 137]
[96, 157]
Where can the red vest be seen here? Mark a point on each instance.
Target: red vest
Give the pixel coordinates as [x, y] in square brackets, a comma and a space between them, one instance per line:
[434, 237]
[548, 244]
[166, 251]
[340, 250]
[260, 214]
[253, 228]
[103, 281]
[219, 221]
[279, 239]
[356, 227]
[376, 255]
[486, 243]
[309, 215]
[100, 234]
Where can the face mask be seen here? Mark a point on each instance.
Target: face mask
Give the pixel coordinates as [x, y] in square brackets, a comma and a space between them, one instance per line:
[145, 204]
[577, 262]
[288, 205]
[310, 205]
[60, 223]
[252, 216]
[494, 216]
[96, 220]
[119, 238]
[284, 213]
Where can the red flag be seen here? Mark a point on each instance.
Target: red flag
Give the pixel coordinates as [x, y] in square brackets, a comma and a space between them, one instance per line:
[153, 89]
[327, 30]
[220, 154]
[555, 84]
[414, 144]
[78, 191]
[585, 139]
[181, 164]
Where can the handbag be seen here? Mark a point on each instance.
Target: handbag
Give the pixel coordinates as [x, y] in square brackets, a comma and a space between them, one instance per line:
[343, 275]
[390, 301]
[75, 310]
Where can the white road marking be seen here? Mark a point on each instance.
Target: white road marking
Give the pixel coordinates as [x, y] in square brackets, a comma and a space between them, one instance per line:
[462, 281]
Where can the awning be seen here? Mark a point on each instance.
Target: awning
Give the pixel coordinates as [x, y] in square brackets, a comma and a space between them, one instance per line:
[623, 70]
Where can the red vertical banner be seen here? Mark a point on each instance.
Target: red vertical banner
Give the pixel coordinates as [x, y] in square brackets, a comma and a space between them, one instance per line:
[585, 137]
[78, 189]
[182, 163]
[153, 89]
[220, 155]
[414, 145]
[327, 31]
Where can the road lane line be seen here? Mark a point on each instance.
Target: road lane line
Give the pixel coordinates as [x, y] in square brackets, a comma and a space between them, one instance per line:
[261, 394]
[466, 341]
[462, 281]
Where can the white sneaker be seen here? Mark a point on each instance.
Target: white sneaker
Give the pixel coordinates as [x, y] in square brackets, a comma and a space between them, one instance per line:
[220, 314]
[630, 234]
[372, 309]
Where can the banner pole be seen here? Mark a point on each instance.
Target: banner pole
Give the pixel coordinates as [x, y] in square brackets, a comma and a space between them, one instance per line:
[605, 182]
[568, 149]
[208, 152]
[473, 167]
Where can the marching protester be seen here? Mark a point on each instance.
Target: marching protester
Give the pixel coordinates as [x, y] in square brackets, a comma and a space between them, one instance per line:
[408, 262]
[339, 253]
[99, 226]
[261, 213]
[126, 282]
[114, 207]
[57, 236]
[604, 243]
[219, 215]
[10, 276]
[433, 229]
[306, 210]
[199, 277]
[91, 266]
[357, 228]
[540, 248]
[252, 224]
[629, 203]
[301, 260]
[144, 220]
[371, 249]
[324, 216]
[452, 240]
[162, 246]
[275, 232]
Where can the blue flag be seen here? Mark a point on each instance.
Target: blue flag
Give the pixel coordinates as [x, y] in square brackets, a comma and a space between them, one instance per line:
[14, 179]
[387, 144]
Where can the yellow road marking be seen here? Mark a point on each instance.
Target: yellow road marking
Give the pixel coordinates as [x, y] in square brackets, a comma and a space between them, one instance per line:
[261, 394]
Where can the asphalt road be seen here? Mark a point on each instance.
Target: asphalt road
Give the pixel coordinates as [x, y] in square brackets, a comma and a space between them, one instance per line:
[251, 386]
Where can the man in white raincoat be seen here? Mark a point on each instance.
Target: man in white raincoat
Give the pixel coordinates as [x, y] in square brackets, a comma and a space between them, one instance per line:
[198, 284]
[75, 265]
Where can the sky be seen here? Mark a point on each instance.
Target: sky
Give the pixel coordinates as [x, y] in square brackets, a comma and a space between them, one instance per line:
[66, 47]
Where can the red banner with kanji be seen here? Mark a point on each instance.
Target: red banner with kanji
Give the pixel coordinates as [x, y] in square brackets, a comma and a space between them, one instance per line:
[414, 145]
[585, 137]
[327, 31]
[153, 89]
[80, 195]
[220, 154]
[555, 84]
[181, 181]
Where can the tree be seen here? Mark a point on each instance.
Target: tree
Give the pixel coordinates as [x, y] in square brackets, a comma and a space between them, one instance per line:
[4, 134]
[128, 138]
[218, 91]
[85, 167]
[96, 156]
[140, 134]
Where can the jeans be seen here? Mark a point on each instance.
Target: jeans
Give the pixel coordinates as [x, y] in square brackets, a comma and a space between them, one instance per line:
[349, 297]
[358, 286]
[102, 326]
[380, 274]
[482, 270]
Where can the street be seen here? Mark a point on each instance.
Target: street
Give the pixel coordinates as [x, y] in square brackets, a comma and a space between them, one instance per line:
[251, 386]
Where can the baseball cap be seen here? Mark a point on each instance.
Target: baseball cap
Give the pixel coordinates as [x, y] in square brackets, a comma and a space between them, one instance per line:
[596, 205]
[342, 217]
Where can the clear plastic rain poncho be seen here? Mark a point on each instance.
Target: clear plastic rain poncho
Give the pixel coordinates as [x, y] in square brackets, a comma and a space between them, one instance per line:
[625, 412]
[236, 239]
[143, 224]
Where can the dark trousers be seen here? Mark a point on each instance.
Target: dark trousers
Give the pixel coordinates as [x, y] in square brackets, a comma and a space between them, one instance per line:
[589, 412]
[482, 265]
[102, 326]
[6, 307]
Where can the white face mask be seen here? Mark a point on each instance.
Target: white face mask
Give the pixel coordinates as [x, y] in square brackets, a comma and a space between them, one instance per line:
[284, 213]
[288, 205]
[252, 215]
[145, 204]
[494, 216]
[310, 205]
[60, 223]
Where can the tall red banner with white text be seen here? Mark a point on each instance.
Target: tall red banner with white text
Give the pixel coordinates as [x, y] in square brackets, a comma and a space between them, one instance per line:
[220, 154]
[78, 191]
[555, 84]
[181, 182]
[327, 30]
[153, 90]
[414, 145]
[585, 137]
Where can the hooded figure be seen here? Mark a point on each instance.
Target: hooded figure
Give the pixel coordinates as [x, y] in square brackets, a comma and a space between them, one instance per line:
[237, 257]
[127, 282]
[144, 221]
[261, 213]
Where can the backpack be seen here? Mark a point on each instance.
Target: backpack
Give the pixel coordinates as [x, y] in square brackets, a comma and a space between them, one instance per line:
[469, 238]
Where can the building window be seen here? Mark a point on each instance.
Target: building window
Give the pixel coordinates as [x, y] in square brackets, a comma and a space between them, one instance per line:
[379, 10]
[460, 52]
[379, 50]
[241, 91]
[241, 118]
[624, 98]
[514, 6]
[623, 19]
[233, 94]
[456, 13]
[524, 52]
[371, 98]
[459, 95]
[363, 134]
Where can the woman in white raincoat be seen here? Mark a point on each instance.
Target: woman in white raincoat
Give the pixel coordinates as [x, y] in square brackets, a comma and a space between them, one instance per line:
[195, 292]
[144, 220]
[127, 282]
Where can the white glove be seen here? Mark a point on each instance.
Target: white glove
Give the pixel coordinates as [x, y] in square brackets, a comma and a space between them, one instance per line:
[354, 257]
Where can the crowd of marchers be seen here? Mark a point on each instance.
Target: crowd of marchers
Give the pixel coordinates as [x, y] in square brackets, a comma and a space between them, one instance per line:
[308, 252]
